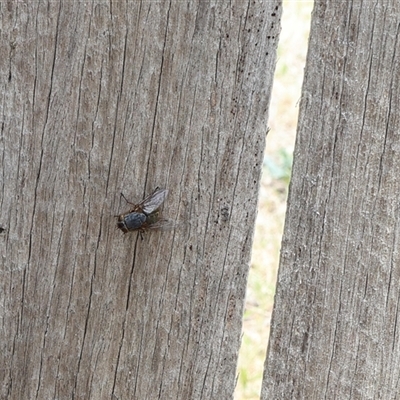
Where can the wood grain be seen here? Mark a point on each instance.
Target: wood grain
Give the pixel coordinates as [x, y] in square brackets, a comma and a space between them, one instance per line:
[100, 98]
[335, 328]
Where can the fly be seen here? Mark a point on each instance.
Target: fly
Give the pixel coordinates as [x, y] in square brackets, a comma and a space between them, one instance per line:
[145, 215]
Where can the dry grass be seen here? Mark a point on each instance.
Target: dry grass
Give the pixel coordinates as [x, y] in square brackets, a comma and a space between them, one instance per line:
[272, 203]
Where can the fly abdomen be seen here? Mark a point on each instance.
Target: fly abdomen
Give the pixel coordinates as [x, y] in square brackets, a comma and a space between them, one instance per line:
[131, 222]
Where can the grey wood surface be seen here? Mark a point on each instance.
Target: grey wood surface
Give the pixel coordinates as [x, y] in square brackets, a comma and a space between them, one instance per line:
[335, 325]
[100, 98]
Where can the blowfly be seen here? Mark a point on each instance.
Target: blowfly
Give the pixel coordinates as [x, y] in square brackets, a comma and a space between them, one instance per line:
[145, 215]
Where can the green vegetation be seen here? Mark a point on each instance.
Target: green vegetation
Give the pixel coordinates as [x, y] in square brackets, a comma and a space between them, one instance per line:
[281, 169]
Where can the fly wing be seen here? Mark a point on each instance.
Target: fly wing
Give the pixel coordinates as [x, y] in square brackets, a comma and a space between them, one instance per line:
[154, 201]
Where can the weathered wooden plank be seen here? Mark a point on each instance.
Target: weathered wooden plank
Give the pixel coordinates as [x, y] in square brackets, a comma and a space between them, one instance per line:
[334, 333]
[104, 97]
